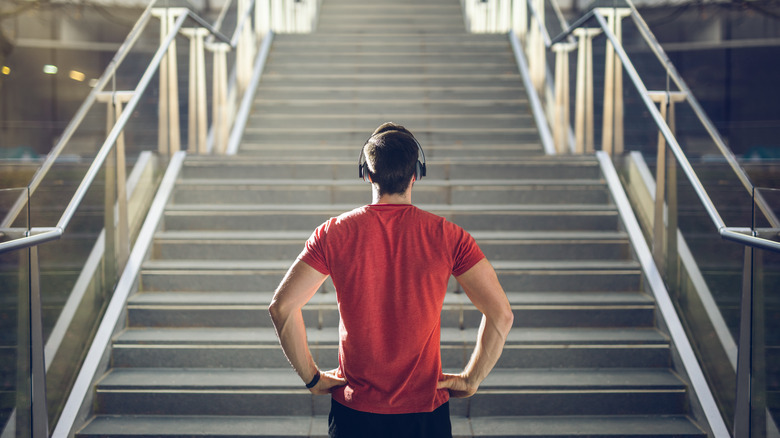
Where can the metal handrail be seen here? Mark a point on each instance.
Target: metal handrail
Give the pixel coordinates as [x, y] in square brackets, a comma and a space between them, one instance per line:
[723, 230]
[80, 115]
[108, 145]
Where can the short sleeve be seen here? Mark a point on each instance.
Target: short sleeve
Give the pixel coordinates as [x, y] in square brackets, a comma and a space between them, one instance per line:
[466, 252]
[313, 253]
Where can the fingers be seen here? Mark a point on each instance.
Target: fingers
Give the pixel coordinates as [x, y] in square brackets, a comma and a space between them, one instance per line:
[457, 385]
[328, 381]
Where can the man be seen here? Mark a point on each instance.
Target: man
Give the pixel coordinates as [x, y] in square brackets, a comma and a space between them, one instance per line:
[390, 263]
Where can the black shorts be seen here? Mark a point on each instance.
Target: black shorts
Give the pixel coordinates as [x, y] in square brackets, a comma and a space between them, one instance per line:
[344, 422]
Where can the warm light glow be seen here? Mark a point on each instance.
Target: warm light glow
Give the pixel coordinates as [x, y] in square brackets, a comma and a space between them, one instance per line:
[77, 76]
[50, 69]
[6, 70]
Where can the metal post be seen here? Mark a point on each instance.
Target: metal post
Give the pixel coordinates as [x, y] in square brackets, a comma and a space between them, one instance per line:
[608, 120]
[262, 17]
[109, 219]
[197, 91]
[244, 50]
[743, 411]
[40, 413]
[219, 100]
[619, 138]
[584, 129]
[173, 91]
[660, 197]
[672, 256]
[504, 15]
[162, 113]
[123, 227]
[561, 128]
[24, 414]
[536, 55]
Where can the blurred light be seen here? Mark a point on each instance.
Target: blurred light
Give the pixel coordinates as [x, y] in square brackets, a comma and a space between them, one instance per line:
[77, 76]
[6, 70]
[50, 69]
[93, 82]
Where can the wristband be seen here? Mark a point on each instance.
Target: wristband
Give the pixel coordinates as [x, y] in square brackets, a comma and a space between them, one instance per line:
[314, 380]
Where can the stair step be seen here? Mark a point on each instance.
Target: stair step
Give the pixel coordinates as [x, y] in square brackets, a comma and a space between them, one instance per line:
[236, 347]
[204, 275]
[473, 218]
[482, 191]
[518, 426]
[532, 309]
[286, 245]
[527, 169]
[280, 392]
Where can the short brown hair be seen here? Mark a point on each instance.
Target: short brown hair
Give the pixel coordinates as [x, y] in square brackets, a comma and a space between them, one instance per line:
[391, 154]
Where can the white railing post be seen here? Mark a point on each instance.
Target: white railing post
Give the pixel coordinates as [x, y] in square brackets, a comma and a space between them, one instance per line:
[504, 15]
[277, 15]
[220, 97]
[116, 223]
[198, 120]
[520, 19]
[262, 18]
[583, 104]
[561, 121]
[169, 141]
[665, 225]
[612, 131]
[245, 50]
[536, 49]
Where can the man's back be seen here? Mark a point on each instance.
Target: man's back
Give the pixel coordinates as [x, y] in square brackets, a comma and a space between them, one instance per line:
[390, 265]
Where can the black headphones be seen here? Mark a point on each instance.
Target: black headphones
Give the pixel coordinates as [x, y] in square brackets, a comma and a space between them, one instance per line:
[419, 168]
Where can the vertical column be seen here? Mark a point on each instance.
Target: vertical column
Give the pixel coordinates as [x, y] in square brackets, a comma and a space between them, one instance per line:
[612, 132]
[174, 140]
[169, 141]
[197, 126]
[561, 128]
[583, 123]
[219, 99]
[520, 18]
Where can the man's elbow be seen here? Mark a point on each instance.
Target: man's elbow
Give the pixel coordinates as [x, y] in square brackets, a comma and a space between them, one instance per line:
[504, 320]
[276, 310]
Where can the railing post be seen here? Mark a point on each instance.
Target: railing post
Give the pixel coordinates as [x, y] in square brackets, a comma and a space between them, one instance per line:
[116, 224]
[504, 15]
[245, 49]
[612, 132]
[743, 410]
[536, 52]
[583, 105]
[219, 99]
[665, 225]
[168, 136]
[262, 18]
[561, 128]
[40, 413]
[197, 125]
[520, 18]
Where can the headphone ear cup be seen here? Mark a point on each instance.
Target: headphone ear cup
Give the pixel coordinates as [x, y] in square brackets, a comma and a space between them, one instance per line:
[364, 172]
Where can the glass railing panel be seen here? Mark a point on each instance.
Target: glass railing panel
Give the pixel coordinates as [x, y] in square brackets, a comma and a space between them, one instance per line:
[15, 395]
[765, 393]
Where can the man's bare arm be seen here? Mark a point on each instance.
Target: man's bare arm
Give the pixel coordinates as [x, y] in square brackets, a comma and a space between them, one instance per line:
[483, 289]
[296, 289]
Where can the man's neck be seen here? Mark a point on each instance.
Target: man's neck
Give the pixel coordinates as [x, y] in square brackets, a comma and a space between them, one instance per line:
[395, 198]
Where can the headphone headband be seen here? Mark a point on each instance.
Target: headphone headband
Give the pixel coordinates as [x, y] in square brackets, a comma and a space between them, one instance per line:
[420, 169]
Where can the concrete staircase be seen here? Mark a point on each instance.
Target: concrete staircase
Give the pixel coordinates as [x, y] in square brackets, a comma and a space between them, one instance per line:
[199, 355]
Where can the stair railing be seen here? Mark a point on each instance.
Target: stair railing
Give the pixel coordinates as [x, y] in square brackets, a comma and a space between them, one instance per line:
[254, 20]
[528, 34]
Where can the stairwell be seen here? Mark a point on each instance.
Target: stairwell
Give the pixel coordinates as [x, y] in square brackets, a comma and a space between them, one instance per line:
[199, 355]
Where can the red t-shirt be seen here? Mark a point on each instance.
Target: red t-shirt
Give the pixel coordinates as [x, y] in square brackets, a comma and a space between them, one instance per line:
[390, 265]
